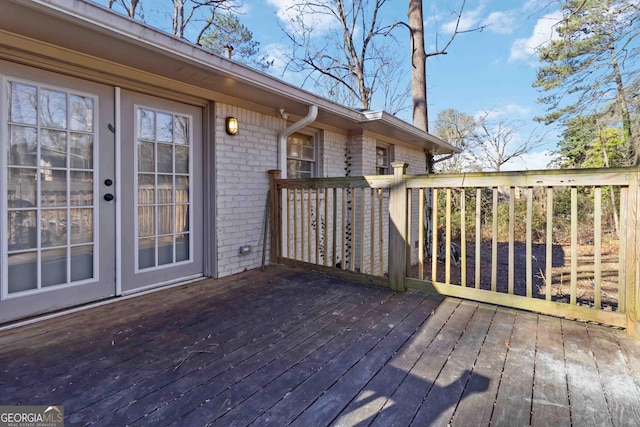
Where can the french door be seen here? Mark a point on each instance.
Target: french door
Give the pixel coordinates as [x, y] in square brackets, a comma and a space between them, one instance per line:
[57, 240]
[65, 179]
[161, 196]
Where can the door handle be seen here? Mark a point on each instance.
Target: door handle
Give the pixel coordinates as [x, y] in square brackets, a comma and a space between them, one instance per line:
[108, 197]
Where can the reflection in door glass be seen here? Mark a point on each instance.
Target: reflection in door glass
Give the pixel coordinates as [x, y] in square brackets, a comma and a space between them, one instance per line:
[49, 169]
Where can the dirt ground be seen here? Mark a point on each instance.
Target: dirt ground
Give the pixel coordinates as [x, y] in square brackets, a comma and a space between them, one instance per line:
[561, 271]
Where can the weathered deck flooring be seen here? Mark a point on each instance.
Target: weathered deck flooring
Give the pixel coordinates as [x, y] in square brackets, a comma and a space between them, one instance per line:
[287, 347]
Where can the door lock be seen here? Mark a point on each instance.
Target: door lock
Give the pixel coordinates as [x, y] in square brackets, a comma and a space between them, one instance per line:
[108, 197]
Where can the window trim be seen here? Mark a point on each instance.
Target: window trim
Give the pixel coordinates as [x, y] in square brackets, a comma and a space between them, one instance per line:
[315, 171]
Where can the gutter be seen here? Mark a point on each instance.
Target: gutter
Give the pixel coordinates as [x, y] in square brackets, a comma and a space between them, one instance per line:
[282, 137]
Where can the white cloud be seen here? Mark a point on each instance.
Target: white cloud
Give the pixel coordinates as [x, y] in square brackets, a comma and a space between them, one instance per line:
[289, 11]
[279, 53]
[496, 22]
[543, 32]
[531, 161]
[508, 111]
[468, 20]
[500, 22]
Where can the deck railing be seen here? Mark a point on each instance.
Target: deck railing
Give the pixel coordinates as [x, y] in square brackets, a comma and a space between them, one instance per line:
[561, 242]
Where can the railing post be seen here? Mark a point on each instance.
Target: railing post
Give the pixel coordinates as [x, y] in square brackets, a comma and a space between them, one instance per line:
[398, 228]
[275, 215]
[633, 257]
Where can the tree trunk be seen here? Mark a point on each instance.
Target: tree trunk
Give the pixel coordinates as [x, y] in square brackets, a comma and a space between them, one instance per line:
[418, 64]
[621, 101]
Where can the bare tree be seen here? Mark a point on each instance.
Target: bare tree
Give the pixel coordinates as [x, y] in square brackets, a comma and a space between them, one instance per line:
[199, 13]
[494, 143]
[353, 58]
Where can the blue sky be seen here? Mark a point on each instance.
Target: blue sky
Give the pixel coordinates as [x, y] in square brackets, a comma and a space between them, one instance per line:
[489, 71]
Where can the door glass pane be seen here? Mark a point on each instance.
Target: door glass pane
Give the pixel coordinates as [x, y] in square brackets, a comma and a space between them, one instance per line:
[81, 188]
[22, 188]
[53, 148]
[181, 130]
[146, 253]
[182, 247]
[23, 104]
[146, 189]
[146, 221]
[165, 250]
[50, 186]
[54, 267]
[165, 158]
[182, 218]
[23, 272]
[146, 124]
[165, 219]
[164, 129]
[81, 225]
[81, 113]
[182, 159]
[23, 230]
[81, 151]
[53, 109]
[165, 188]
[81, 262]
[53, 227]
[146, 157]
[23, 146]
[53, 187]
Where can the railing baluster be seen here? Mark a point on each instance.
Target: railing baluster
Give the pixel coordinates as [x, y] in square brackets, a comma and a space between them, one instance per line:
[574, 245]
[295, 223]
[381, 229]
[512, 237]
[354, 198]
[372, 231]
[287, 212]
[318, 226]
[494, 243]
[434, 237]
[463, 238]
[310, 224]
[447, 251]
[549, 253]
[622, 252]
[362, 230]
[478, 235]
[528, 238]
[597, 246]
[343, 261]
[409, 220]
[421, 234]
[325, 228]
[335, 227]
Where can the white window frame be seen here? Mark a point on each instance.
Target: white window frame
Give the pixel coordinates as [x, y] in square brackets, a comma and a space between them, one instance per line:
[386, 168]
[315, 172]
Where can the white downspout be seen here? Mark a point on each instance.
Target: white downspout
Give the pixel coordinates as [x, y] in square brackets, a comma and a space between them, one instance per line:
[282, 164]
[282, 137]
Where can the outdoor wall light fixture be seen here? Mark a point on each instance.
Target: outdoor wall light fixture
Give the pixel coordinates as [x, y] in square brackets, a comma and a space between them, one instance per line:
[231, 125]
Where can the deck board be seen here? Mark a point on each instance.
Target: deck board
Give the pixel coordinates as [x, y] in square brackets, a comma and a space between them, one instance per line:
[292, 347]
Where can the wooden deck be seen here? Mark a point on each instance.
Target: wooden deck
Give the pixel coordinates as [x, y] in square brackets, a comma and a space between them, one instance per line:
[286, 346]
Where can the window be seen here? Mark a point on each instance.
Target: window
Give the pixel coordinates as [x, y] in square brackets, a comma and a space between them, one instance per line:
[382, 161]
[301, 156]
